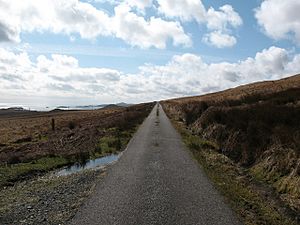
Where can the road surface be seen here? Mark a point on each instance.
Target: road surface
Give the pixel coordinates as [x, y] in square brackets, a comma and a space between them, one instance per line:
[155, 181]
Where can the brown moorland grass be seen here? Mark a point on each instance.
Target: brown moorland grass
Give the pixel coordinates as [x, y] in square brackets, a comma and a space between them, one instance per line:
[257, 126]
[29, 145]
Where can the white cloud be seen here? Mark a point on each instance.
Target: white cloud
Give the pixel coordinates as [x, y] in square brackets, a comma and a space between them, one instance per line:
[280, 19]
[60, 16]
[186, 10]
[73, 16]
[293, 66]
[219, 22]
[223, 19]
[187, 74]
[8, 58]
[59, 76]
[272, 60]
[9, 30]
[128, 21]
[136, 31]
[64, 68]
[140, 4]
[219, 40]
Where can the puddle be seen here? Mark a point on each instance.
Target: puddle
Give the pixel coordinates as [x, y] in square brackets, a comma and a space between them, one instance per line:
[90, 164]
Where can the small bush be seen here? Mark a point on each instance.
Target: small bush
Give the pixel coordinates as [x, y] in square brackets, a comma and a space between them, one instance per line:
[23, 139]
[98, 149]
[82, 157]
[14, 160]
[71, 125]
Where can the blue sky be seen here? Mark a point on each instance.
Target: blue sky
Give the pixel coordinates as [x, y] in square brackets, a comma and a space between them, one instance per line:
[115, 53]
[100, 51]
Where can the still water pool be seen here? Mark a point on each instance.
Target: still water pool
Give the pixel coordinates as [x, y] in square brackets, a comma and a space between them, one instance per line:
[90, 164]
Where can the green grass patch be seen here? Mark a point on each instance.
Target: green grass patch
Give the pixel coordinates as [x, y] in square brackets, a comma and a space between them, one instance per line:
[43, 138]
[13, 172]
[197, 143]
[114, 143]
[233, 182]
[108, 145]
[285, 183]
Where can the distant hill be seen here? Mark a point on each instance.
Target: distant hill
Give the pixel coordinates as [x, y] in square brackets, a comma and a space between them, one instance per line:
[15, 111]
[263, 106]
[117, 105]
[259, 88]
[111, 106]
[256, 125]
[123, 104]
[92, 107]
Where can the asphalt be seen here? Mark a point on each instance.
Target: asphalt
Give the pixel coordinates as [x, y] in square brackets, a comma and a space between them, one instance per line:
[155, 181]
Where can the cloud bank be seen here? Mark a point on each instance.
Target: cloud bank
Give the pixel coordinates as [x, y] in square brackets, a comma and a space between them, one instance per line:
[127, 22]
[183, 75]
[75, 17]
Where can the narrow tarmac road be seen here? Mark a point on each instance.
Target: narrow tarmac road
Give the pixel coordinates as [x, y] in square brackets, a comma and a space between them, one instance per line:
[155, 181]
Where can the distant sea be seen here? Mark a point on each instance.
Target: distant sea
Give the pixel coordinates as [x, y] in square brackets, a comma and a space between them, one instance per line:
[49, 108]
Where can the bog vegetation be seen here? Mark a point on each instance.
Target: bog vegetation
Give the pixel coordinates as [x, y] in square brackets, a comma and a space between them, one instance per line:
[35, 143]
[257, 127]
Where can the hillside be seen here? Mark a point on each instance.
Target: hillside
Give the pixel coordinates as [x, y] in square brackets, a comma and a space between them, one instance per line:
[257, 126]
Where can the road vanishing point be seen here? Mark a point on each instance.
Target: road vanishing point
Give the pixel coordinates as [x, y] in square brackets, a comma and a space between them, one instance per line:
[155, 181]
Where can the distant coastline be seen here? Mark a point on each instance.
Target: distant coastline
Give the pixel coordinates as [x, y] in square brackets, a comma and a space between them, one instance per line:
[20, 107]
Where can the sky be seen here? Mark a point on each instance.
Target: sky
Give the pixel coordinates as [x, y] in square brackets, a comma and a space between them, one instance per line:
[80, 52]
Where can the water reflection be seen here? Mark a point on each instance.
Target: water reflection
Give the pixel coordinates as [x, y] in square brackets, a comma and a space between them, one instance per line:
[90, 164]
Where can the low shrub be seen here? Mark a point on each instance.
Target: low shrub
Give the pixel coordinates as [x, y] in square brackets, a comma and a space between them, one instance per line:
[71, 125]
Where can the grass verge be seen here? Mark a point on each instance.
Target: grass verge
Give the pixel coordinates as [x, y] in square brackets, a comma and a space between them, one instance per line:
[13, 172]
[235, 183]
